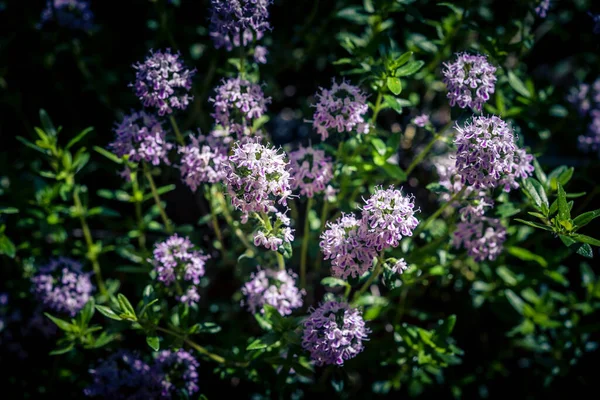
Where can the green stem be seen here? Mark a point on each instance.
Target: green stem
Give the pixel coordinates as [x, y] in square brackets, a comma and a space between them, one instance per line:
[138, 198]
[178, 134]
[305, 241]
[376, 109]
[217, 229]
[267, 221]
[238, 232]
[439, 211]
[427, 148]
[369, 281]
[324, 213]
[92, 252]
[194, 345]
[161, 210]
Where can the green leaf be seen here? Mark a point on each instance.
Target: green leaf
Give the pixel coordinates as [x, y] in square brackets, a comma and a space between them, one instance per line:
[410, 68]
[518, 85]
[368, 4]
[77, 138]
[87, 312]
[63, 350]
[526, 255]
[403, 59]
[539, 173]
[517, 303]
[264, 341]
[586, 239]
[393, 103]
[7, 247]
[47, 124]
[534, 224]
[109, 155]
[153, 342]
[330, 281]
[436, 188]
[206, 327]
[31, 145]
[395, 172]
[535, 191]
[444, 330]
[125, 305]
[62, 324]
[379, 145]
[353, 14]
[107, 312]
[563, 209]
[8, 210]
[506, 210]
[394, 85]
[586, 218]
[161, 190]
[272, 315]
[582, 249]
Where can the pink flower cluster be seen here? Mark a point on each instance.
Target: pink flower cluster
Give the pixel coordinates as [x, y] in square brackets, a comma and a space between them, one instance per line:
[257, 178]
[352, 244]
[203, 161]
[340, 109]
[311, 170]
[470, 80]
[238, 103]
[487, 154]
[274, 287]
[141, 137]
[175, 259]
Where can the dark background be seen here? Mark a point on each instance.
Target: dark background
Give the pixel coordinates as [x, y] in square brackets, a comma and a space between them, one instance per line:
[81, 80]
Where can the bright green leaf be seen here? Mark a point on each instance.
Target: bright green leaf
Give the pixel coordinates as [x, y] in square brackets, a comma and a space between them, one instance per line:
[410, 68]
[153, 342]
[518, 85]
[394, 85]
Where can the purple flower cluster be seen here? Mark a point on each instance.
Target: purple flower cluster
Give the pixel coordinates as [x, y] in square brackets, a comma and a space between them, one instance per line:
[179, 373]
[470, 81]
[334, 333]
[123, 376]
[587, 100]
[342, 243]
[449, 178]
[61, 286]
[274, 287]
[421, 120]
[340, 109]
[257, 178]
[176, 260]
[542, 8]
[311, 170]
[387, 217]
[481, 236]
[203, 161]
[352, 244]
[238, 103]
[163, 82]
[238, 22]
[487, 154]
[72, 14]
[141, 137]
